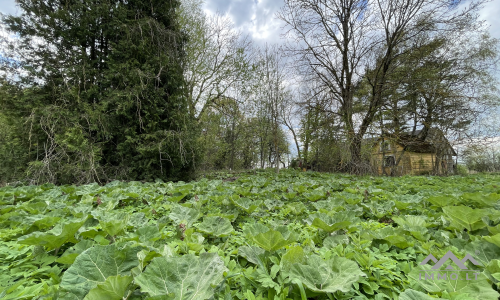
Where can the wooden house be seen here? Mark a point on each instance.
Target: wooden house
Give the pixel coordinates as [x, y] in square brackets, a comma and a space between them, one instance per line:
[412, 154]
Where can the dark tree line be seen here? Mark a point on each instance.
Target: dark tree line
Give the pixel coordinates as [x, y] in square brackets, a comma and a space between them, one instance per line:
[99, 91]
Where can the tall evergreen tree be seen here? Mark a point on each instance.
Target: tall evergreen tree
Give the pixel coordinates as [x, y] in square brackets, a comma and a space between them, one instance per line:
[105, 81]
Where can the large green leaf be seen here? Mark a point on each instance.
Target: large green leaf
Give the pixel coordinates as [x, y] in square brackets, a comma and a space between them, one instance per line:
[94, 266]
[464, 217]
[329, 205]
[495, 240]
[54, 238]
[187, 277]
[147, 234]
[72, 253]
[40, 222]
[255, 255]
[492, 270]
[246, 204]
[184, 215]
[464, 285]
[416, 225]
[330, 276]
[292, 256]
[442, 201]
[481, 199]
[340, 220]
[113, 223]
[272, 240]
[315, 195]
[410, 294]
[255, 229]
[114, 288]
[483, 251]
[395, 236]
[215, 225]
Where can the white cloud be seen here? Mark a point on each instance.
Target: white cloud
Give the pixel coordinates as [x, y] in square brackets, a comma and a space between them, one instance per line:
[255, 18]
[491, 14]
[9, 7]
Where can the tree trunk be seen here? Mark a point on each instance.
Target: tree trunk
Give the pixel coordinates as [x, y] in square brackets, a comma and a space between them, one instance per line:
[356, 162]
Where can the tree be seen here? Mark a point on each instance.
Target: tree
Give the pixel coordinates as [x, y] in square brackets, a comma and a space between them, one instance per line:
[217, 56]
[445, 84]
[482, 158]
[269, 78]
[345, 43]
[289, 112]
[105, 98]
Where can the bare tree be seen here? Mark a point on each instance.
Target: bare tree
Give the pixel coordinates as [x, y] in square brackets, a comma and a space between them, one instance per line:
[217, 56]
[345, 42]
[289, 115]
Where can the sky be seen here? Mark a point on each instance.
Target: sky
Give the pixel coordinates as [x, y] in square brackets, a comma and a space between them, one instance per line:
[257, 17]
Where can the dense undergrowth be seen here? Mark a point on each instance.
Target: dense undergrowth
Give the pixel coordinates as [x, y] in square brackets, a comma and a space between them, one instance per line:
[298, 235]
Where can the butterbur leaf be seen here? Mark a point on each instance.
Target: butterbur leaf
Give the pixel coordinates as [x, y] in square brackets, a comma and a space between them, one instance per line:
[340, 220]
[112, 223]
[492, 270]
[272, 240]
[482, 251]
[463, 284]
[148, 234]
[495, 240]
[183, 278]
[254, 255]
[442, 201]
[333, 241]
[394, 236]
[464, 217]
[114, 288]
[410, 294]
[411, 221]
[216, 226]
[289, 196]
[184, 215]
[315, 195]
[54, 238]
[246, 204]
[292, 256]
[331, 204]
[296, 208]
[94, 266]
[300, 188]
[72, 253]
[416, 225]
[481, 199]
[255, 229]
[42, 222]
[330, 276]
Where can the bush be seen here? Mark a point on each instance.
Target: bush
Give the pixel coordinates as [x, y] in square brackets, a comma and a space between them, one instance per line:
[462, 170]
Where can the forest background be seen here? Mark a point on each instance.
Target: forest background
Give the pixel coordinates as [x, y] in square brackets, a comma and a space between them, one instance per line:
[97, 92]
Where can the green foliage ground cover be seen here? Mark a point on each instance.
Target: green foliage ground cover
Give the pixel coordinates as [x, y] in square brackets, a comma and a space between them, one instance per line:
[292, 236]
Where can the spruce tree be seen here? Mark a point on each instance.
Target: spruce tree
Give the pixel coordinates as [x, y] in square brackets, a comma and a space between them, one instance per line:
[104, 80]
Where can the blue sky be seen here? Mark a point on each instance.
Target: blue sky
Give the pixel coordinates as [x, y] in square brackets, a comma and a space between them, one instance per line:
[256, 17]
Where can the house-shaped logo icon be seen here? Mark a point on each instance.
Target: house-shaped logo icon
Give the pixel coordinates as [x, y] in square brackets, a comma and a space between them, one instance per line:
[449, 255]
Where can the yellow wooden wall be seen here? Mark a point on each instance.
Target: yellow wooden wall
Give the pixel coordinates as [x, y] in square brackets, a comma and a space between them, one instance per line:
[412, 163]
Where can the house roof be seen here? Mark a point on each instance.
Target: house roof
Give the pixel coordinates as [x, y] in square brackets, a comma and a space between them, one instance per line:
[415, 143]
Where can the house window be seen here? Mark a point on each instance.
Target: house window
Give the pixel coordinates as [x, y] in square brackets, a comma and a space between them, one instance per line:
[385, 146]
[389, 161]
